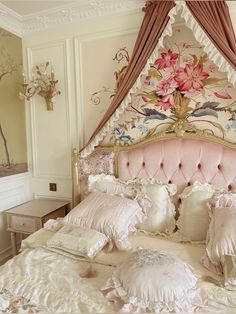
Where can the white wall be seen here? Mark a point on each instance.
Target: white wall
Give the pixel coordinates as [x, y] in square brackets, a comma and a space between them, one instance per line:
[14, 190]
[77, 54]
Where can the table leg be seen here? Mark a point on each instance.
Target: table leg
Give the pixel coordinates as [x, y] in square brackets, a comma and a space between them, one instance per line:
[13, 243]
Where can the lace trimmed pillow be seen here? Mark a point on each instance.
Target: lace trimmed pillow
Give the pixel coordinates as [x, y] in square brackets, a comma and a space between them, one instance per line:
[222, 199]
[78, 241]
[193, 221]
[152, 281]
[113, 215]
[161, 216]
[111, 185]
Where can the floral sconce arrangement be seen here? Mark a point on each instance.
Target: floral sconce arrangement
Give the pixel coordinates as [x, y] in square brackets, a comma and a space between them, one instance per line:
[43, 83]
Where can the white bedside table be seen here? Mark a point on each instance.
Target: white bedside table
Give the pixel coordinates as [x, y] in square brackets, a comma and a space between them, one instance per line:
[30, 216]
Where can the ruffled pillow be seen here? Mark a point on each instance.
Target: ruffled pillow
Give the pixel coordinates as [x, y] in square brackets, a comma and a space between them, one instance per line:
[111, 185]
[78, 241]
[229, 269]
[221, 238]
[193, 221]
[152, 281]
[113, 215]
[161, 216]
[222, 199]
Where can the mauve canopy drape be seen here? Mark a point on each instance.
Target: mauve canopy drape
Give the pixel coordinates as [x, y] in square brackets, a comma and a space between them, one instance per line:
[154, 22]
[214, 18]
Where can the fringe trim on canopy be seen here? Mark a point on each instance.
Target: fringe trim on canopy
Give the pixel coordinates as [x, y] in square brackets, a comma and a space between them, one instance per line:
[199, 35]
[125, 103]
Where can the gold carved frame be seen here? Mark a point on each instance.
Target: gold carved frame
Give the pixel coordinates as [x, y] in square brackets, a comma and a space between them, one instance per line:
[177, 130]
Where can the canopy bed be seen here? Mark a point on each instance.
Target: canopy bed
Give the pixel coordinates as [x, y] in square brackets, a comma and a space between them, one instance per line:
[160, 176]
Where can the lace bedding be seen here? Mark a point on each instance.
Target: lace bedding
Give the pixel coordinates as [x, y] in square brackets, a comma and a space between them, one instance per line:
[45, 281]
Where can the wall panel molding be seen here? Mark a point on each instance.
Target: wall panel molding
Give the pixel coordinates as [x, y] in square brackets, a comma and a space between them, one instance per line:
[14, 190]
[64, 46]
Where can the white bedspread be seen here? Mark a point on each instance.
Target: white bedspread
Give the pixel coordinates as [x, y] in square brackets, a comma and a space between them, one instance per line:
[51, 281]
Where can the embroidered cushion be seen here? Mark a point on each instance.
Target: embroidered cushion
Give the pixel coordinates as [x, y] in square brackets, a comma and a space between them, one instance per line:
[221, 238]
[152, 281]
[193, 221]
[79, 241]
[113, 215]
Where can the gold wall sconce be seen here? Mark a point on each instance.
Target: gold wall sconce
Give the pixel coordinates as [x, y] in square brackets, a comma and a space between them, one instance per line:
[43, 83]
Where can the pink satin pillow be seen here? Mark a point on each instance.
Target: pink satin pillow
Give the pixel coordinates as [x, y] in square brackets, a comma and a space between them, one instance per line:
[113, 215]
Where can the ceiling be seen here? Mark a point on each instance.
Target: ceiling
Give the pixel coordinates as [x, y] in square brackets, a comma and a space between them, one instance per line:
[34, 6]
[29, 16]
[24, 8]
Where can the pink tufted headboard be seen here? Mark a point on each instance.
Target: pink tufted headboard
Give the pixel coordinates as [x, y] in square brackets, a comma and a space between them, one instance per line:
[172, 160]
[181, 161]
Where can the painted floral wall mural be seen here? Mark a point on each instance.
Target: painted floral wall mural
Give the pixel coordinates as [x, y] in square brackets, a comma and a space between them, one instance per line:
[182, 87]
[13, 152]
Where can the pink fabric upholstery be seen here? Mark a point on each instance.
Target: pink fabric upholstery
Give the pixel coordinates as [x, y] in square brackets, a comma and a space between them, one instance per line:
[181, 161]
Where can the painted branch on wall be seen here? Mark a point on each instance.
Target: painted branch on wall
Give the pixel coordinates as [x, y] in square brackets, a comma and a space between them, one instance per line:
[8, 65]
[5, 147]
[121, 55]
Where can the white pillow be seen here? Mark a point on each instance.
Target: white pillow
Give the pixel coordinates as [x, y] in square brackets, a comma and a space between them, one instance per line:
[229, 269]
[193, 221]
[113, 215]
[152, 281]
[222, 199]
[111, 185]
[79, 241]
[221, 238]
[161, 216]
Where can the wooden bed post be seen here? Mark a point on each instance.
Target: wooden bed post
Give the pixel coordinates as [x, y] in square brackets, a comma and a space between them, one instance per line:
[75, 178]
[116, 150]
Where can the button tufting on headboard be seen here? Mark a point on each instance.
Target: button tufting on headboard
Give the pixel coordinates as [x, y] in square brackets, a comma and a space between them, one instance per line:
[181, 161]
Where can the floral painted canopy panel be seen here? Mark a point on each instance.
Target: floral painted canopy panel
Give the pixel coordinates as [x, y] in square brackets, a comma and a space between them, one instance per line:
[182, 86]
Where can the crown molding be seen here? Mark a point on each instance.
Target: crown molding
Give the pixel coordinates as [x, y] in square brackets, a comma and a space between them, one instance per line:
[70, 13]
[64, 15]
[10, 20]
